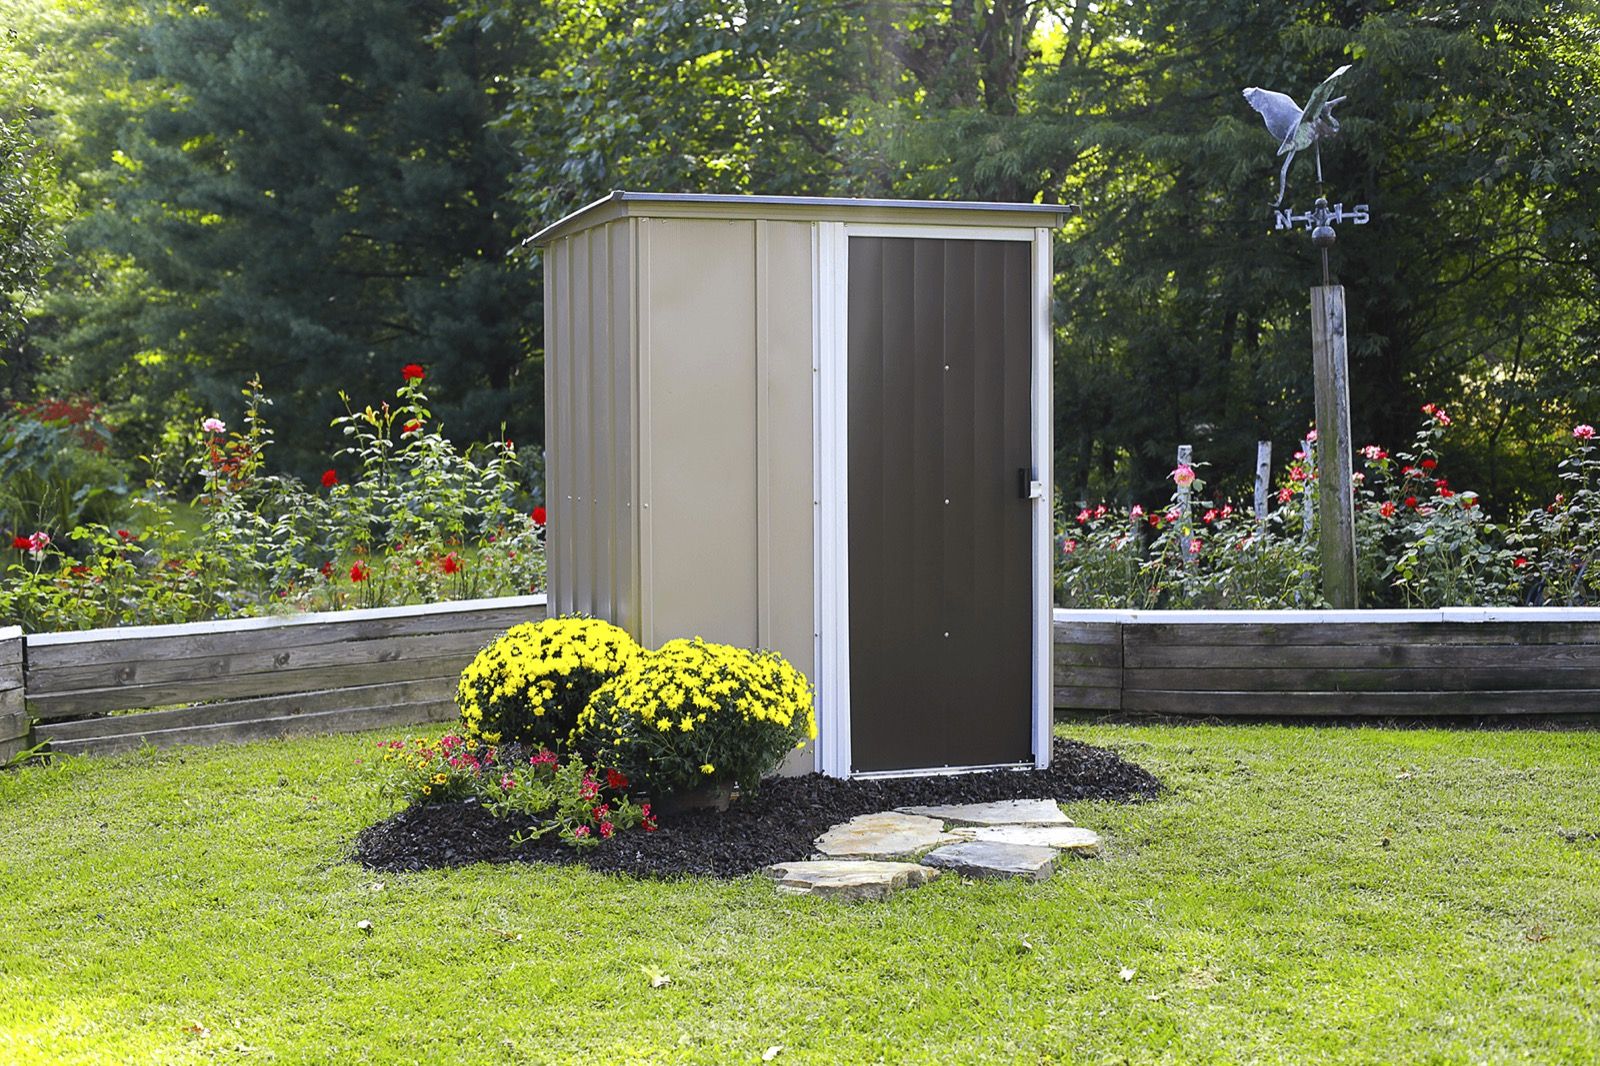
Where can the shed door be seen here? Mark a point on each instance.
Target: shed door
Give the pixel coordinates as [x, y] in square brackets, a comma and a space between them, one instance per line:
[940, 560]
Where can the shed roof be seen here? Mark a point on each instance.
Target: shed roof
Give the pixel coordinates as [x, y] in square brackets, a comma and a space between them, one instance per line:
[622, 204]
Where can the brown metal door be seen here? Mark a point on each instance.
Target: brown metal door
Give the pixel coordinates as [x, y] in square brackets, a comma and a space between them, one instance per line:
[941, 597]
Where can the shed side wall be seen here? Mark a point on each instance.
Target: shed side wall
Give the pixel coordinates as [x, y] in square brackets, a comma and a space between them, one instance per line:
[700, 475]
[590, 390]
[726, 417]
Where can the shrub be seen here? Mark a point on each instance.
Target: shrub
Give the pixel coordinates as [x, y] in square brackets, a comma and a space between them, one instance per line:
[529, 684]
[695, 713]
[1558, 546]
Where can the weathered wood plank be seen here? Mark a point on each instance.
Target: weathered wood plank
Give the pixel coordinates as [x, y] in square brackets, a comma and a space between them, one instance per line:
[58, 650]
[141, 671]
[1086, 632]
[350, 721]
[10, 675]
[91, 701]
[11, 643]
[1154, 634]
[1086, 655]
[427, 690]
[1089, 677]
[1357, 704]
[1068, 697]
[1456, 679]
[13, 721]
[1440, 657]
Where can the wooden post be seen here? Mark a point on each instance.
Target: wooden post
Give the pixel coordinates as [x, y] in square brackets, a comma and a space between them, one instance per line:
[1185, 514]
[1263, 478]
[1335, 495]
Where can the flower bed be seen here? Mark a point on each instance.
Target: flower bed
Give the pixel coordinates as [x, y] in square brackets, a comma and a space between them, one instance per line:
[401, 516]
[1420, 541]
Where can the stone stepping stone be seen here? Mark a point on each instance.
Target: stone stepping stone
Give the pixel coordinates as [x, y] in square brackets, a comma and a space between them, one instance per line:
[886, 835]
[993, 860]
[849, 880]
[1060, 837]
[1002, 812]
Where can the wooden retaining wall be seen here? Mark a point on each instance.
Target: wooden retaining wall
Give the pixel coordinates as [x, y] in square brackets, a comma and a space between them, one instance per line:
[13, 716]
[254, 677]
[1452, 662]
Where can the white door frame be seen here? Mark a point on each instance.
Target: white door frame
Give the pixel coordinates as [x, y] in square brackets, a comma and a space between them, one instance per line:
[831, 450]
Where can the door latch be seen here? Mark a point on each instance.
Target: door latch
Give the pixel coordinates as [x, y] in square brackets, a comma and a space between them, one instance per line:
[1027, 487]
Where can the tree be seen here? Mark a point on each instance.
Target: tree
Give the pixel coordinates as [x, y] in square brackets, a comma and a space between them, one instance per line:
[314, 192]
[26, 186]
[1185, 318]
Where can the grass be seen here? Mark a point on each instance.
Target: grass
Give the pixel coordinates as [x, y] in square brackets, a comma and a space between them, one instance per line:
[1298, 895]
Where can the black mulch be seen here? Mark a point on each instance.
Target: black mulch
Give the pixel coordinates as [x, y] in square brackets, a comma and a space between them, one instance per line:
[777, 824]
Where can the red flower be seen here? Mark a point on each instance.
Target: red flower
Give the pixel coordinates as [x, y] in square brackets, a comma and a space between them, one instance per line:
[1429, 464]
[1520, 561]
[606, 829]
[1445, 494]
[1411, 502]
[79, 571]
[412, 372]
[326, 569]
[411, 427]
[450, 564]
[329, 479]
[359, 571]
[538, 516]
[124, 534]
[616, 780]
[1388, 509]
[20, 544]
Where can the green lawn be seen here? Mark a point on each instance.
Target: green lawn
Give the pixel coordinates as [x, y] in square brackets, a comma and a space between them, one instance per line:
[1297, 896]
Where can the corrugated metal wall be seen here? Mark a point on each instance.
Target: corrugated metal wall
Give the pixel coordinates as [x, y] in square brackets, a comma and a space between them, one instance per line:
[590, 404]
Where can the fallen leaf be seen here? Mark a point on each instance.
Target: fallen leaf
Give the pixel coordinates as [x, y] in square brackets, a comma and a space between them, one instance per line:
[365, 926]
[659, 980]
[377, 886]
[1404, 775]
[771, 1053]
[506, 934]
[1536, 935]
[1126, 974]
[196, 1029]
[1025, 946]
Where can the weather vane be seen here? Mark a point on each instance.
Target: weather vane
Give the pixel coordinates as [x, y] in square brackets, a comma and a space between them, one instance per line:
[1297, 128]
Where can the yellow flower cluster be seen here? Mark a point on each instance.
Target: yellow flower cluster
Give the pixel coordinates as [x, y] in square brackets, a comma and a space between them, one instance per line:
[529, 684]
[677, 714]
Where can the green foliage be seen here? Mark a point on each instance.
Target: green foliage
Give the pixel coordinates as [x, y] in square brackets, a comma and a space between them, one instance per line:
[1419, 543]
[310, 191]
[569, 799]
[25, 239]
[530, 684]
[693, 713]
[1558, 545]
[56, 470]
[415, 521]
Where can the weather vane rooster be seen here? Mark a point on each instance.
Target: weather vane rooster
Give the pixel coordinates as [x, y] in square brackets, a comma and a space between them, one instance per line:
[1297, 128]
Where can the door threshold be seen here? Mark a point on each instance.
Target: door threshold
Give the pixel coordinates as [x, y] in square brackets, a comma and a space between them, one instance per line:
[939, 771]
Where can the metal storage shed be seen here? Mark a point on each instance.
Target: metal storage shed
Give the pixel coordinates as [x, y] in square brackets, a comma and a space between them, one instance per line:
[820, 426]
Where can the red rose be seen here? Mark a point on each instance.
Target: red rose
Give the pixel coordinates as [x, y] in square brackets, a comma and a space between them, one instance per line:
[616, 780]
[329, 479]
[1387, 510]
[450, 564]
[1429, 464]
[1520, 561]
[412, 372]
[326, 569]
[1411, 502]
[20, 544]
[359, 571]
[538, 516]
